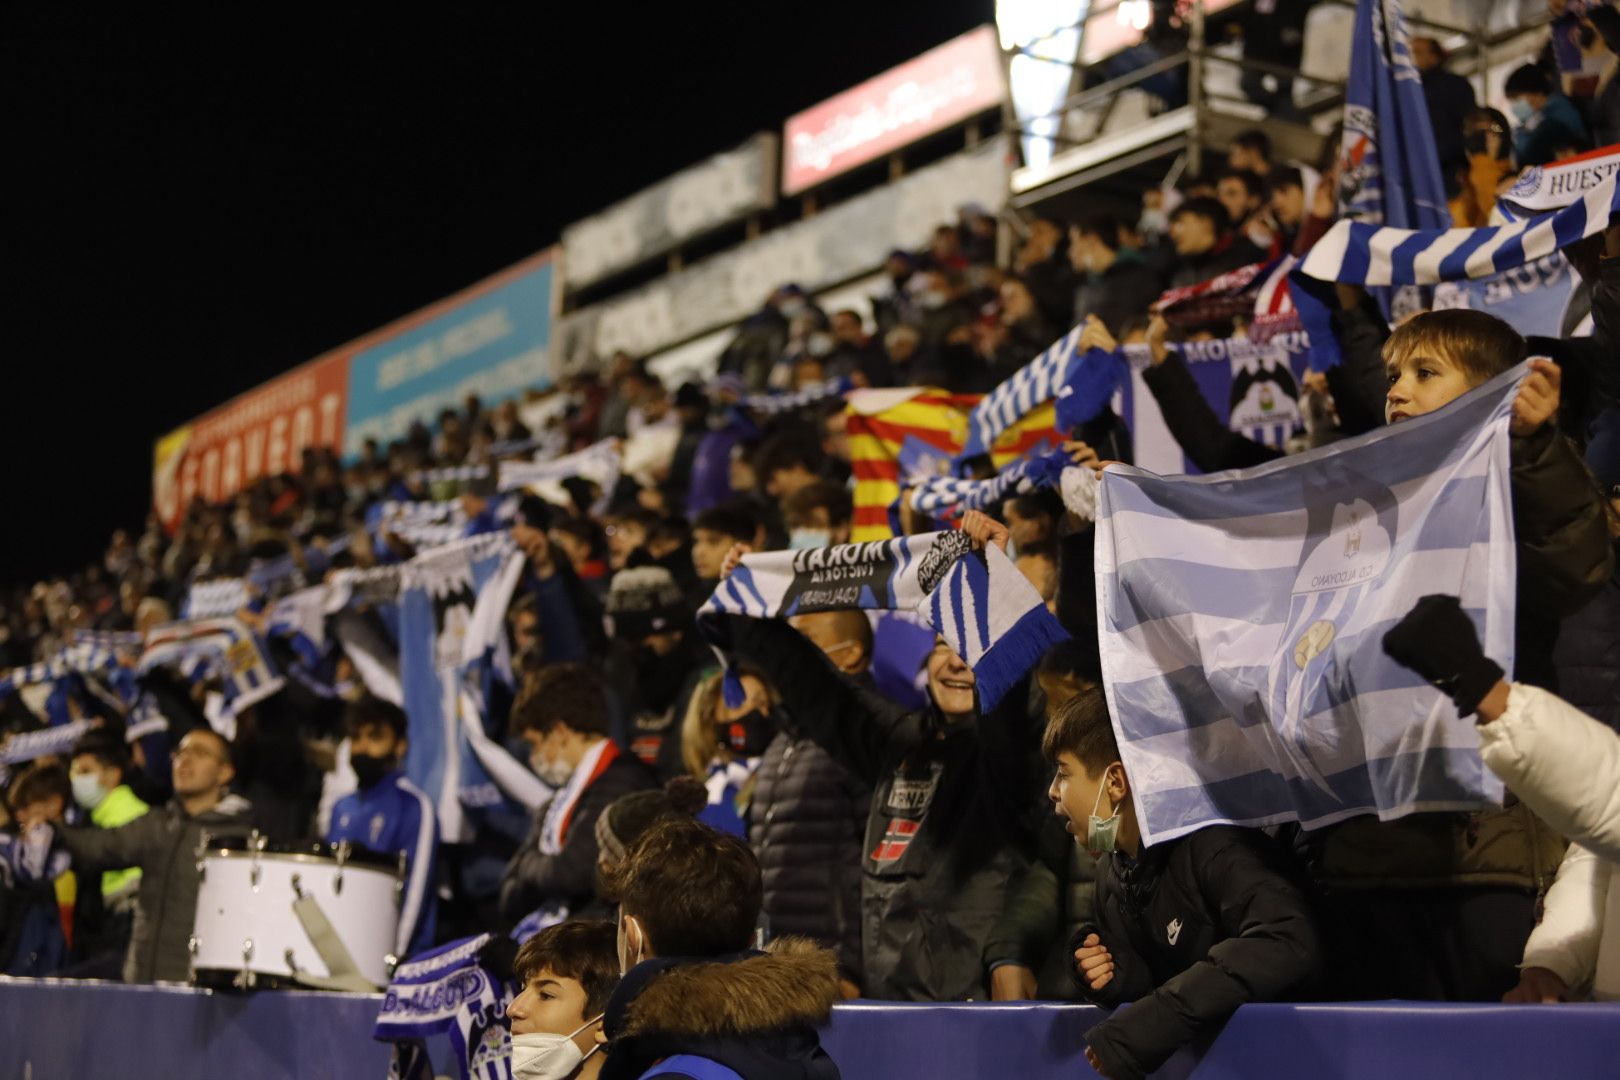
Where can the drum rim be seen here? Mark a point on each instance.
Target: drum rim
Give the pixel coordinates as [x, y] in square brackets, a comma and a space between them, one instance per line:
[358, 858]
[222, 978]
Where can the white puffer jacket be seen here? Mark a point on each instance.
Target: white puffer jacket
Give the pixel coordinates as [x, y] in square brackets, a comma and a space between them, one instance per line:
[1566, 767]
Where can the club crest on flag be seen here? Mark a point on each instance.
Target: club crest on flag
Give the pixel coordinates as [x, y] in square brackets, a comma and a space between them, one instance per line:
[1264, 393]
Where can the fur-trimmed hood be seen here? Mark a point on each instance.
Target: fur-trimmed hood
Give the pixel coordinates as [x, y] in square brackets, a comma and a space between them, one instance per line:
[793, 985]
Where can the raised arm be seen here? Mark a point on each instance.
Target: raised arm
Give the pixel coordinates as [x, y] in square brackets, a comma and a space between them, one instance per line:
[110, 849]
[856, 726]
[1210, 444]
[1558, 518]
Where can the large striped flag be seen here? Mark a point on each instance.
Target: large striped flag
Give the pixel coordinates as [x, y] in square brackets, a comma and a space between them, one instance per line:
[903, 435]
[1241, 614]
[439, 590]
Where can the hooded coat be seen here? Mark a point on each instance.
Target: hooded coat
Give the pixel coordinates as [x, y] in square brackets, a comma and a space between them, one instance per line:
[756, 1013]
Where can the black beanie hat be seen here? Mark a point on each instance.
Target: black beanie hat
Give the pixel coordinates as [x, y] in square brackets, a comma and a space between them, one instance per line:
[645, 600]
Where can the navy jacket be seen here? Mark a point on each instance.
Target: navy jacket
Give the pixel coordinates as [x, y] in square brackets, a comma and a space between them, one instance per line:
[390, 818]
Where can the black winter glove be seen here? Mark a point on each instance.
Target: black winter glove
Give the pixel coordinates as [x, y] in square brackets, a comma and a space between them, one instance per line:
[1437, 640]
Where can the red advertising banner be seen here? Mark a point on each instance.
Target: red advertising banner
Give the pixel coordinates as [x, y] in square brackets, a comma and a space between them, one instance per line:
[943, 86]
[260, 433]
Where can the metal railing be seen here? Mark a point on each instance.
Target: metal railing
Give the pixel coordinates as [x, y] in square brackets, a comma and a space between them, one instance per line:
[1198, 58]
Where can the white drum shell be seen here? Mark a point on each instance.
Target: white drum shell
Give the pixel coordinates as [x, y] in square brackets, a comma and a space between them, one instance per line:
[235, 907]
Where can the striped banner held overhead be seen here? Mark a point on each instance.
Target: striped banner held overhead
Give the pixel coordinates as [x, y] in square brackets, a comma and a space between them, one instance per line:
[774, 404]
[226, 646]
[911, 433]
[1032, 385]
[599, 463]
[943, 496]
[1371, 255]
[977, 600]
[1241, 616]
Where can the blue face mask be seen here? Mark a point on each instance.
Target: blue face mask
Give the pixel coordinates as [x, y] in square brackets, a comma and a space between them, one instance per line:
[803, 539]
[1522, 110]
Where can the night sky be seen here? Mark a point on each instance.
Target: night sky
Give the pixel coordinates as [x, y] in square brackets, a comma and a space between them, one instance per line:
[199, 204]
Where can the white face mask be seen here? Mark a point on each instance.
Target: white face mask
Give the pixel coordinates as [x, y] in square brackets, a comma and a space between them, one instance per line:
[625, 961]
[87, 790]
[804, 539]
[553, 773]
[546, 1056]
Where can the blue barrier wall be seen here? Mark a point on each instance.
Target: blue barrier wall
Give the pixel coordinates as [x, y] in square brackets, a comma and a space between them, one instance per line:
[52, 1029]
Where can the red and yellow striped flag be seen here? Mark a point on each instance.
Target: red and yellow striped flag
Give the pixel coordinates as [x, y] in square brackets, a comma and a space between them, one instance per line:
[886, 425]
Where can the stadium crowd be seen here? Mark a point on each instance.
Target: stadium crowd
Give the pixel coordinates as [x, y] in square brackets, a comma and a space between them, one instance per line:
[857, 810]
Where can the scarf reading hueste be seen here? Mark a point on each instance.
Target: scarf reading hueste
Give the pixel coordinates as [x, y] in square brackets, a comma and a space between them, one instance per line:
[988, 612]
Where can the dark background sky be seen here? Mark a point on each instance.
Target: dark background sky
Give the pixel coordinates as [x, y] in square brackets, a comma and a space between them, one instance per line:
[199, 204]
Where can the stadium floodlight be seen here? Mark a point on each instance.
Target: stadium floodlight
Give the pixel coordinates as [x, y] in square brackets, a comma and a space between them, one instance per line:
[1046, 37]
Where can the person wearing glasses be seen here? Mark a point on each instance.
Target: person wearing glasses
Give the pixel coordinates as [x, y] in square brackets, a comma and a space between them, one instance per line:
[163, 845]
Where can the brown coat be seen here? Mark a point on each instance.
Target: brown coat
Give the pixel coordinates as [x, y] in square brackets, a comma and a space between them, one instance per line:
[796, 982]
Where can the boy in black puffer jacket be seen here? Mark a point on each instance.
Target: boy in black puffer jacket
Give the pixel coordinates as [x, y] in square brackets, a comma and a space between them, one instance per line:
[1188, 929]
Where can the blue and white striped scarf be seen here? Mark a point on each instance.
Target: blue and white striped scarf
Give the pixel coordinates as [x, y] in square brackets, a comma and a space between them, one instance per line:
[422, 524]
[458, 474]
[225, 646]
[271, 574]
[1371, 255]
[1552, 187]
[988, 612]
[598, 463]
[28, 745]
[86, 657]
[351, 585]
[942, 495]
[774, 404]
[448, 993]
[1034, 384]
[300, 619]
[217, 598]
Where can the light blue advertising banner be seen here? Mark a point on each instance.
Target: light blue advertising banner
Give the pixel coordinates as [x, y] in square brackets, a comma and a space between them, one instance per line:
[493, 340]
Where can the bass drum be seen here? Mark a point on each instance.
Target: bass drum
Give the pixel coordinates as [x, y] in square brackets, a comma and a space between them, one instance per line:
[294, 915]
